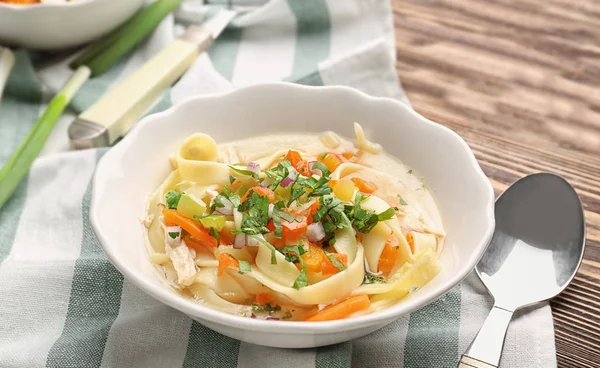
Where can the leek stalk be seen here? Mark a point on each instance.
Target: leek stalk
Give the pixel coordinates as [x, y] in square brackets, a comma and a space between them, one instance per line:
[18, 164]
[98, 57]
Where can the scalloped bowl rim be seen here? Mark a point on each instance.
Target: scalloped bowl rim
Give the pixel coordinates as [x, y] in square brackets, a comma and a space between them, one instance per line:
[215, 316]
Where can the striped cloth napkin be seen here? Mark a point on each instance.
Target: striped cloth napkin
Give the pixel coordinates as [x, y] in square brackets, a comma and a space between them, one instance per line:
[64, 305]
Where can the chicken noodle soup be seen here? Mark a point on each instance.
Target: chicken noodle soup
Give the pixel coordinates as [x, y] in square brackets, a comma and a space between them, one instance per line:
[293, 226]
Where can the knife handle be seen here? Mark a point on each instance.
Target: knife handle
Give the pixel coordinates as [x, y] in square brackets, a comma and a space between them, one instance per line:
[486, 349]
[109, 118]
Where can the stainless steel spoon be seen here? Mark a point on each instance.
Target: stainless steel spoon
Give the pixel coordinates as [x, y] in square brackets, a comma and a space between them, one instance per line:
[534, 254]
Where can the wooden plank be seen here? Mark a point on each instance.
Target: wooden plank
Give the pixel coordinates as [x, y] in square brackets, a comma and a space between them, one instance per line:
[520, 81]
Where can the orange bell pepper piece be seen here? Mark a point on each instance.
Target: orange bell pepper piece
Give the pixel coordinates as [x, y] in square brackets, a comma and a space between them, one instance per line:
[364, 186]
[172, 217]
[331, 160]
[294, 229]
[263, 192]
[226, 260]
[327, 268]
[313, 258]
[294, 157]
[390, 253]
[264, 298]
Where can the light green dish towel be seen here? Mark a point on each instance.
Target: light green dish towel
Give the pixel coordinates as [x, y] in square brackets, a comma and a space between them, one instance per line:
[64, 305]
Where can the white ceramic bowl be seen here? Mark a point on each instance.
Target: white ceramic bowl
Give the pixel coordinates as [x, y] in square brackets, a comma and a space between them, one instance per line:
[57, 26]
[138, 164]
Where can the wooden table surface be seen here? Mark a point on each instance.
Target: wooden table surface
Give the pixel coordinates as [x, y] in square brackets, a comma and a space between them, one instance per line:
[520, 82]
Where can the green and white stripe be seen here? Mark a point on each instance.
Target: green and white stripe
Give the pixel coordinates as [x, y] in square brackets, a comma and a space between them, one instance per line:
[64, 304]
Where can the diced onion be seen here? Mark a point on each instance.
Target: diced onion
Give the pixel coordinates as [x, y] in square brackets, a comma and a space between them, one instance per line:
[228, 209]
[239, 241]
[286, 182]
[314, 171]
[271, 207]
[315, 232]
[253, 166]
[177, 239]
[251, 242]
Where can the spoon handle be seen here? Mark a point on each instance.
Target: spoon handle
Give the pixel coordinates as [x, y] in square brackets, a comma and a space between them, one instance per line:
[486, 348]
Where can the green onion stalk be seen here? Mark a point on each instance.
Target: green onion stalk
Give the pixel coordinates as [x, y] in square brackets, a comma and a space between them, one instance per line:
[18, 164]
[92, 62]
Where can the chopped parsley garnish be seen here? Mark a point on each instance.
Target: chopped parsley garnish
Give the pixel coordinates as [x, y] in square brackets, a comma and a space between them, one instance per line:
[269, 308]
[331, 215]
[255, 221]
[233, 198]
[268, 245]
[413, 289]
[172, 198]
[321, 166]
[246, 172]
[289, 218]
[402, 201]
[409, 172]
[372, 279]
[293, 254]
[244, 267]
[303, 187]
[336, 262]
[231, 179]
[212, 232]
[365, 220]
[173, 234]
[277, 220]
[302, 279]
[287, 315]
[278, 173]
[225, 195]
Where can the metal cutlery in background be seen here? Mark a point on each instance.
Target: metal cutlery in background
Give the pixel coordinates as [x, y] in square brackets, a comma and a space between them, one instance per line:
[534, 254]
[112, 116]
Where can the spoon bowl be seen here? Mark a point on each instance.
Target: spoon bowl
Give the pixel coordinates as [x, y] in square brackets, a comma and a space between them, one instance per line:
[535, 252]
[538, 242]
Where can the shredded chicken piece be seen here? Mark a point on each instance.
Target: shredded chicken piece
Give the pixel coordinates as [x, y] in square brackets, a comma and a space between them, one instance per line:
[183, 262]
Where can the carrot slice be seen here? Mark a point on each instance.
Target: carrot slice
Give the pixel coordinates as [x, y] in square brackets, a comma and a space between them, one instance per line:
[364, 186]
[191, 226]
[226, 260]
[390, 253]
[343, 309]
[294, 229]
[263, 192]
[20, 1]
[303, 168]
[264, 298]
[327, 268]
[294, 157]
[331, 160]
